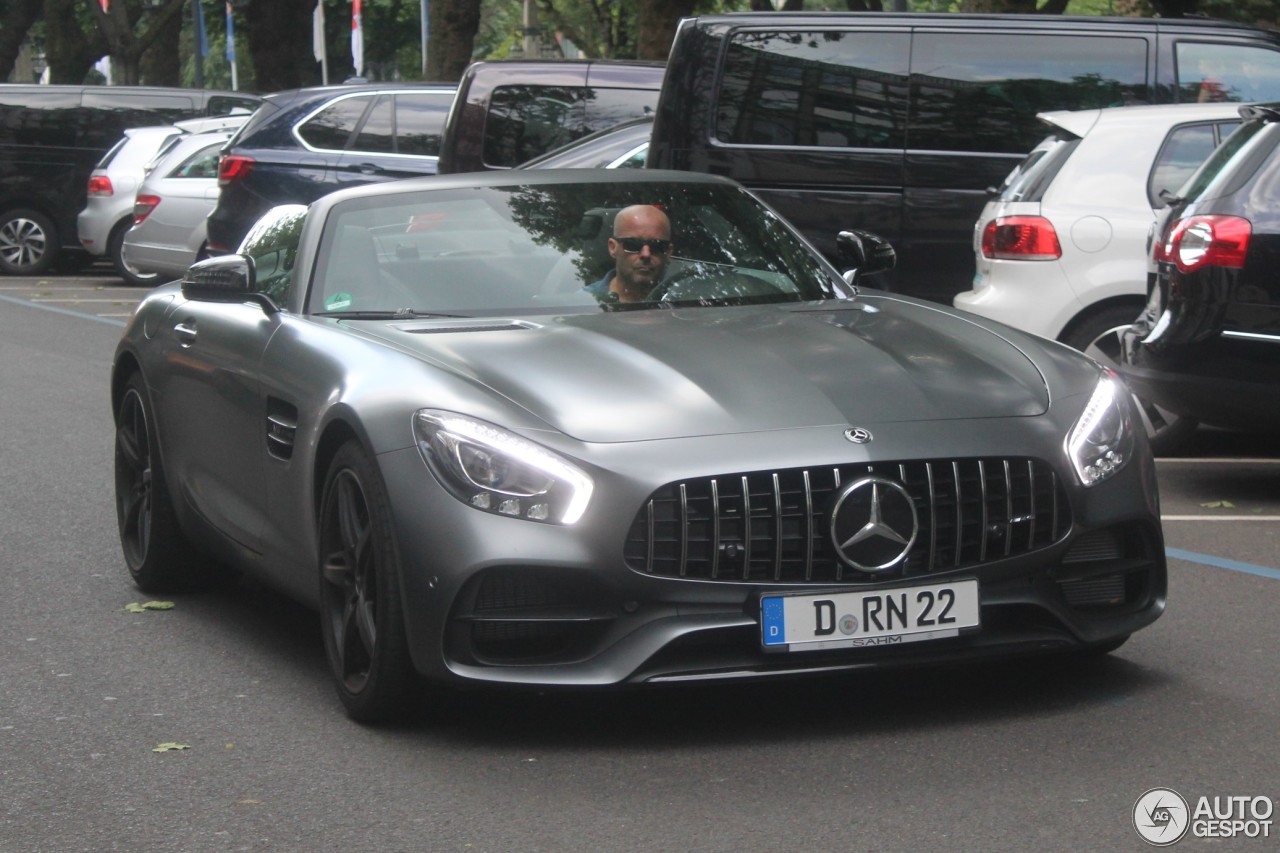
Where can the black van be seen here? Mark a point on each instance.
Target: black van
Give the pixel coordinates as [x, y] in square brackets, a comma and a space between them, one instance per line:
[510, 111]
[898, 123]
[50, 139]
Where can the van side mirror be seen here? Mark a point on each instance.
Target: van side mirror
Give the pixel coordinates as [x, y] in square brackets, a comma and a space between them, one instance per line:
[862, 253]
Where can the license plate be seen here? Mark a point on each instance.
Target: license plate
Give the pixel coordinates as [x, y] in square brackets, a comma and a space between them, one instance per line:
[875, 618]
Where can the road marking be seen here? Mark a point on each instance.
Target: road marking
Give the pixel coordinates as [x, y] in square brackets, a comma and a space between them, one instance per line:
[1219, 461]
[1220, 563]
[56, 310]
[1220, 518]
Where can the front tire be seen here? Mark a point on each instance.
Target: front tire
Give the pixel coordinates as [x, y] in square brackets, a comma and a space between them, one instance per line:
[155, 549]
[360, 607]
[28, 242]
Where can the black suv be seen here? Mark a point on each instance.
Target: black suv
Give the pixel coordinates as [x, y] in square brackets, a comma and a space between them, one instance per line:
[51, 137]
[1207, 347]
[305, 143]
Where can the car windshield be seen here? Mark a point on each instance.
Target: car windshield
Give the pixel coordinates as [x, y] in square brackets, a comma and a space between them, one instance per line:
[545, 247]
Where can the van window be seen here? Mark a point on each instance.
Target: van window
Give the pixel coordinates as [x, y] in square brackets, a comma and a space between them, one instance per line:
[45, 120]
[221, 105]
[525, 121]
[814, 89]
[1226, 72]
[982, 92]
[130, 109]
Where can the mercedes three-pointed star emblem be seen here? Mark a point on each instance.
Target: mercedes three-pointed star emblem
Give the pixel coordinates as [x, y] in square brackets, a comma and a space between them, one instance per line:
[873, 524]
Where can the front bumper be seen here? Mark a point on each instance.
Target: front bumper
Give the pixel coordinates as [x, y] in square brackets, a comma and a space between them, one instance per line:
[505, 601]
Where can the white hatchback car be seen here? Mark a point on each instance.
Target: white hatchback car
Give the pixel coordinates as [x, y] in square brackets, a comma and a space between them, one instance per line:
[1061, 246]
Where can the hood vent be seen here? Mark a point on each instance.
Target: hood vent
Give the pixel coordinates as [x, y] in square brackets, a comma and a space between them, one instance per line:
[468, 325]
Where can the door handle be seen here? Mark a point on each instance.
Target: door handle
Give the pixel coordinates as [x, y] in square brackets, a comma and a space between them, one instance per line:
[186, 333]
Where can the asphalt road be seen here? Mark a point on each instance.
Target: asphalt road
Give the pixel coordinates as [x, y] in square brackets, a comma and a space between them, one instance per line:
[1046, 754]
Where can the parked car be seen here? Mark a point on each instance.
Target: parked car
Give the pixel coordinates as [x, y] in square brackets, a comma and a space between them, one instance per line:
[172, 204]
[304, 143]
[623, 146]
[51, 137]
[480, 471]
[510, 111]
[1207, 346]
[898, 123]
[109, 210]
[1061, 248]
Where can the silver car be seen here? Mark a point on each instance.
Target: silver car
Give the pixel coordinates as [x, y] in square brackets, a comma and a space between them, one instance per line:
[114, 182]
[417, 407]
[168, 233]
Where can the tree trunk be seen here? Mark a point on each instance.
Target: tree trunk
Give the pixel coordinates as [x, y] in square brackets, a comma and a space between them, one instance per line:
[68, 49]
[21, 15]
[656, 26]
[285, 61]
[161, 63]
[451, 37]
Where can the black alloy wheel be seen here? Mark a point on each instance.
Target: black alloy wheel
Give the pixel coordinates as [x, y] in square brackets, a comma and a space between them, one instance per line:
[361, 613]
[155, 549]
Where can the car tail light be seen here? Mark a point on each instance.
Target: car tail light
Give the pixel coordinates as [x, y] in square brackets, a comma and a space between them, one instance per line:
[1021, 238]
[100, 185]
[232, 168]
[142, 207]
[1205, 241]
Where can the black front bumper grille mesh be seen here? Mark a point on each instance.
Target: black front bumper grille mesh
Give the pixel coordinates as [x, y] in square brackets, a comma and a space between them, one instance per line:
[774, 526]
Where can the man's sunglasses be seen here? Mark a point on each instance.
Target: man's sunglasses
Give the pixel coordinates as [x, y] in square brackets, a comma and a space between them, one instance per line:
[634, 245]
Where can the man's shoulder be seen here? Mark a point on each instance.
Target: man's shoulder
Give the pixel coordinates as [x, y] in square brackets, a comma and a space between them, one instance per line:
[600, 289]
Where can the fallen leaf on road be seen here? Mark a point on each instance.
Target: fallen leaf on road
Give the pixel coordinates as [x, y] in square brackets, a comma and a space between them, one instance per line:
[170, 747]
[135, 607]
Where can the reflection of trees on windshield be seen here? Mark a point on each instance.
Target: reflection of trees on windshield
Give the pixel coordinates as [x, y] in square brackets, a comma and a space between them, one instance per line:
[712, 224]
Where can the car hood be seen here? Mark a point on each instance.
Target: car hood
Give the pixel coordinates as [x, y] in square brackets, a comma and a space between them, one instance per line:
[659, 374]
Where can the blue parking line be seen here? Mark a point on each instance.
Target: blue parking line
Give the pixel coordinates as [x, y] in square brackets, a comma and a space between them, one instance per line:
[68, 312]
[1220, 563]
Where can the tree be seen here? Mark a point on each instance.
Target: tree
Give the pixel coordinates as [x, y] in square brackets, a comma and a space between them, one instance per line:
[450, 37]
[19, 16]
[279, 38]
[656, 26]
[126, 32]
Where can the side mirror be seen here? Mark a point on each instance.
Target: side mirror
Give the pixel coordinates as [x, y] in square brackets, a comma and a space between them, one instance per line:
[861, 253]
[226, 278]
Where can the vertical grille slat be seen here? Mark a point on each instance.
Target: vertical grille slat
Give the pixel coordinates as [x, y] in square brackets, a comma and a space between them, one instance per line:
[775, 526]
[808, 527]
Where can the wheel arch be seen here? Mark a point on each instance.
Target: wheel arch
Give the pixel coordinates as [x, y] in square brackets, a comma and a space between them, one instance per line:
[1094, 310]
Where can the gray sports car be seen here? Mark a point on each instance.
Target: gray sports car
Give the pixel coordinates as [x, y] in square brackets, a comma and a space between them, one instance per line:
[595, 428]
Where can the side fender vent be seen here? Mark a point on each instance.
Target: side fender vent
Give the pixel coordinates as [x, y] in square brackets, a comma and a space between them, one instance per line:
[282, 427]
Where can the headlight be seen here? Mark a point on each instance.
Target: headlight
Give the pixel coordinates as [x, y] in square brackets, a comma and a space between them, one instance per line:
[498, 471]
[1101, 442]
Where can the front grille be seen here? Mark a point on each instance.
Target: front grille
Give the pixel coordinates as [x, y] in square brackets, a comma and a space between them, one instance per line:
[774, 526]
